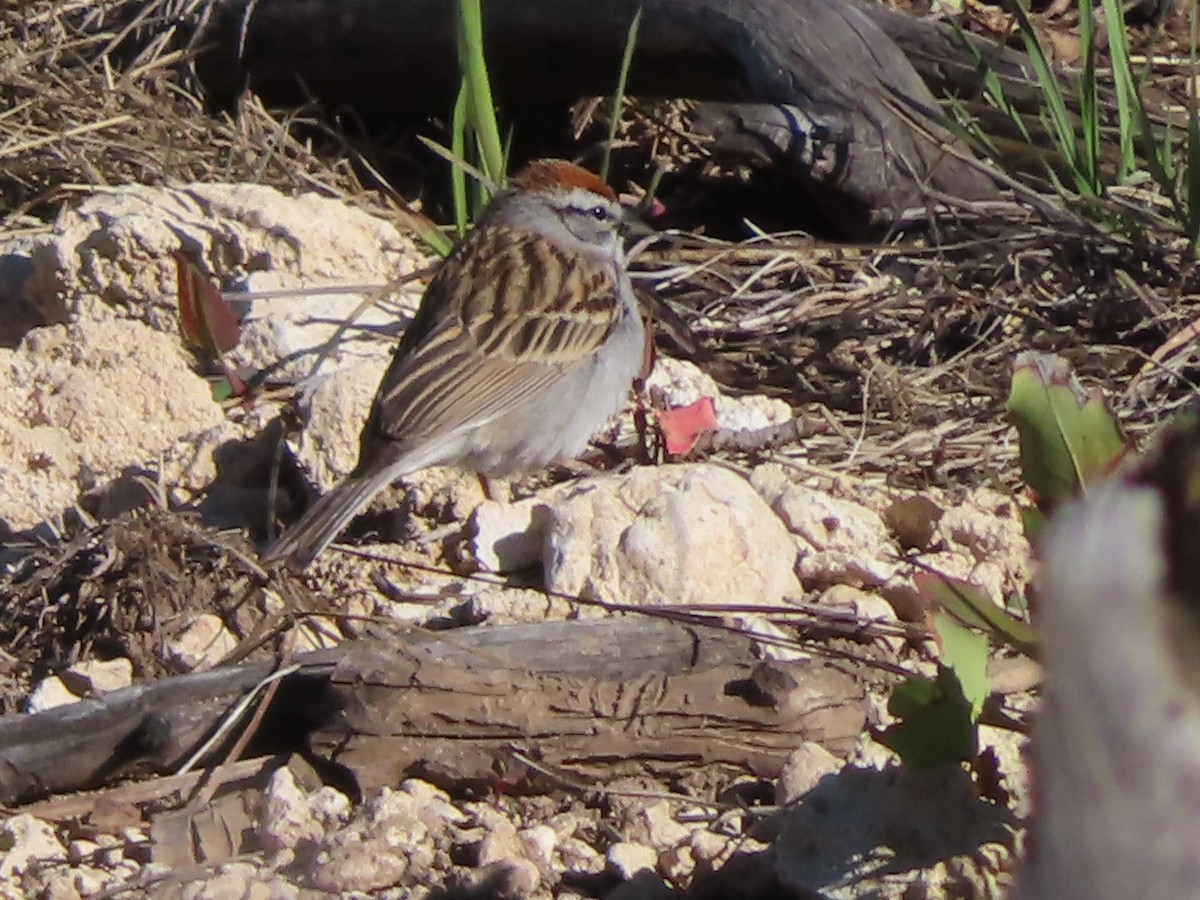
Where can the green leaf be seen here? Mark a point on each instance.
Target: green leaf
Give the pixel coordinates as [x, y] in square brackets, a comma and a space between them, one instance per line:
[235, 381]
[970, 606]
[965, 653]
[206, 320]
[222, 390]
[1068, 437]
[911, 696]
[1033, 523]
[935, 727]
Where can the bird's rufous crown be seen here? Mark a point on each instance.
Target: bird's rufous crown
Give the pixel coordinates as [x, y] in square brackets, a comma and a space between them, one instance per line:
[548, 174]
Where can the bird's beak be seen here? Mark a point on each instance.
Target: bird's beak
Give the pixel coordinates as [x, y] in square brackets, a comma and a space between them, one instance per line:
[637, 209]
[632, 227]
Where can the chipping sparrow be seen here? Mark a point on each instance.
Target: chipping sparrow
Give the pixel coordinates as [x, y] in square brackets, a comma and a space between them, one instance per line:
[526, 341]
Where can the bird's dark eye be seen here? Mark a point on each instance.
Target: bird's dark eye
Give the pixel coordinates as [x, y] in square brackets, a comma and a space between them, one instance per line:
[599, 213]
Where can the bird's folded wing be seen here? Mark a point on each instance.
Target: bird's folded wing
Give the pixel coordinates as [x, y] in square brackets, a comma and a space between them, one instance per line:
[500, 322]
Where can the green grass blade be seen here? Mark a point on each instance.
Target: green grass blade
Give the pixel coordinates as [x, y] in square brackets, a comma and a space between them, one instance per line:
[482, 108]
[619, 96]
[480, 191]
[1059, 120]
[993, 87]
[508, 139]
[458, 145]
[1160, 159]
[1191, 218]
[1192, 177]
[458, 162]
[1089, 101]
[968, 127]
[1123, 79]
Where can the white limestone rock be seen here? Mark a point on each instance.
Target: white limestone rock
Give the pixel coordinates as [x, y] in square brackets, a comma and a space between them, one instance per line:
[673, 536]
[201, 643]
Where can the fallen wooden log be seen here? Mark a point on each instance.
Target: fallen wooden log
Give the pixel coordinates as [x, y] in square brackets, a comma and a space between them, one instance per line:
[832, 73]
[477, 725]
[459, 708]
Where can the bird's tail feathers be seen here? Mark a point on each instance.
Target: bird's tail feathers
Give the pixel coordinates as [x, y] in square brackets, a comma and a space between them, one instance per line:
[325, 519]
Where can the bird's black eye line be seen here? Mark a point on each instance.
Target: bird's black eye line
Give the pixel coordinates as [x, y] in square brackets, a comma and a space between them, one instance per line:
[598, 212]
